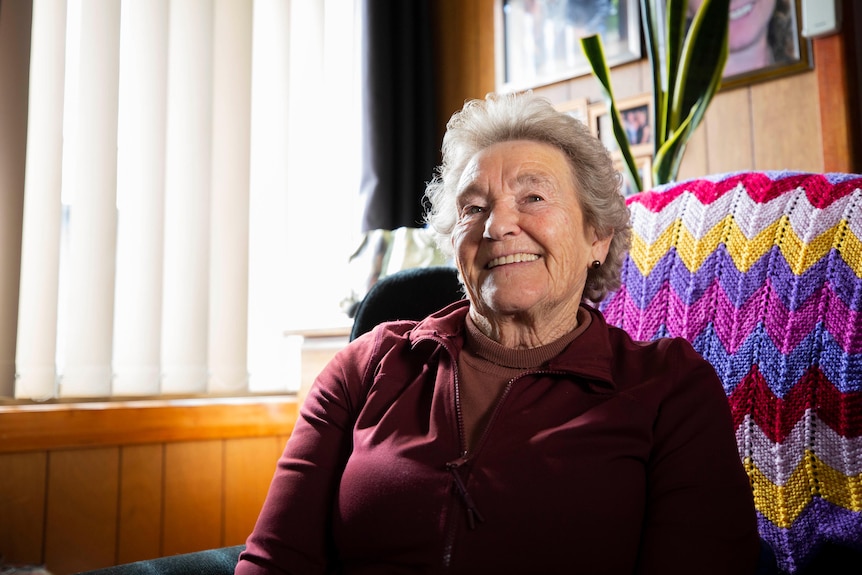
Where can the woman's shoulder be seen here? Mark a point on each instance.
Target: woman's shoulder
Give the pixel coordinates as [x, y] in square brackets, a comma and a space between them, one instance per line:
[660, 366]
[440, 327]
[662, 353]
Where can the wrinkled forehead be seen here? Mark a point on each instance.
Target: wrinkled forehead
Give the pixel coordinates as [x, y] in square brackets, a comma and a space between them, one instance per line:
[521, 164]
[526, 162]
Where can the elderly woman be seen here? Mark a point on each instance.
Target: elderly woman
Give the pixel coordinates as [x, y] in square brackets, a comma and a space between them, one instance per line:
[515, 431]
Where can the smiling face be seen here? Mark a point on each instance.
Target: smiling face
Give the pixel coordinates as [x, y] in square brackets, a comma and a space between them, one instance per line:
[749, 20]
[520, 241]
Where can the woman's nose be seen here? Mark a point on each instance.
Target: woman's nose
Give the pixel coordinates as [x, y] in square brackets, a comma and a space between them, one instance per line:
[502, 221]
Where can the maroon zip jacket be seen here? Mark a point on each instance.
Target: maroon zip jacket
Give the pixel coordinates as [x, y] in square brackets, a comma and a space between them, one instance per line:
[616, 457]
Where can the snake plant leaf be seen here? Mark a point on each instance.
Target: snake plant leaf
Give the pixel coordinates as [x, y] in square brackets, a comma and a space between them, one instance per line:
[702, 59]
[669, 156]
[653, 34]
[675, 26]
[595, 53]
[687, 62]
[701, 66]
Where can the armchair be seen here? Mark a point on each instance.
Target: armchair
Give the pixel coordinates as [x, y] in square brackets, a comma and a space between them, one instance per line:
[412, 293]
[762, 272]
[221, 561]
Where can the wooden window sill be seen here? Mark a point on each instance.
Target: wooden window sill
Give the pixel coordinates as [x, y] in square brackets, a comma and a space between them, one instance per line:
[27, 426]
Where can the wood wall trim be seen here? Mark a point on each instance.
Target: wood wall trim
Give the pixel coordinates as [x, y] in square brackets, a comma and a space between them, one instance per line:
[835, 115]
[103, 424]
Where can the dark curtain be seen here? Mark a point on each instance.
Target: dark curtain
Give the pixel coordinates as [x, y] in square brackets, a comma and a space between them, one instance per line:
[398, 125]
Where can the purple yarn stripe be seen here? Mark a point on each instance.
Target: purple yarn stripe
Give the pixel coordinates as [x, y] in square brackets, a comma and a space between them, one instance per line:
[740, 286]
[836, 178]
[781, 371]
[819, 522]
[733, 324]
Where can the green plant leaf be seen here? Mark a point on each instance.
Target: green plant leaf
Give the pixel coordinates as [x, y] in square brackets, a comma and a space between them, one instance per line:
[703, 57]
[595, 53]
[652, 36]
[668, 159]
[687, 62]
[698, 111]
[669, 156]
[675, 32]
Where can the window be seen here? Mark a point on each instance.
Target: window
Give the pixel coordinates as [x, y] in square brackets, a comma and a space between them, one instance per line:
[190, 193]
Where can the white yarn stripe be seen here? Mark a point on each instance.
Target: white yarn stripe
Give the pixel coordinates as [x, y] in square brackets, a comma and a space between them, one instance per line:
[777, 461]
[750, 217]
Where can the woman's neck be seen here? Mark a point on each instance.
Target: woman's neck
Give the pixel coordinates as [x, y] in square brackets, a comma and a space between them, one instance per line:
[527, 330]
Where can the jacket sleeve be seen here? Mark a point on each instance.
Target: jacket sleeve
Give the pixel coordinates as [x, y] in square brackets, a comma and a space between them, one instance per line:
[700, 515]
[292, 533]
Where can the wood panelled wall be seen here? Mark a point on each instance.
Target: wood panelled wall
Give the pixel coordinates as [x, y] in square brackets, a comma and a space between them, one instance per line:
[799, 122]
[92, 485]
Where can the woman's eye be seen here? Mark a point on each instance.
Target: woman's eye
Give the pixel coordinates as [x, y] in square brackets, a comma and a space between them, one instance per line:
[535, 199]
[470, 210]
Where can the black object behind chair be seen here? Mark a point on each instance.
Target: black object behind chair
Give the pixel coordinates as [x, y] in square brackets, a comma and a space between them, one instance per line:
[412, 293]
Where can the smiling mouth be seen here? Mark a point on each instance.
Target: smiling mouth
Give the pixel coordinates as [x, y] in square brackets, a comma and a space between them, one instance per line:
[743, 10]
[512, 259]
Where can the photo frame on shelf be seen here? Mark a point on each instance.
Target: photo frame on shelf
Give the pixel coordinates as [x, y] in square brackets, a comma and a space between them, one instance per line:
[783, 50]
[644, 166]
[578, 109]
[638, 120]
[537, 41]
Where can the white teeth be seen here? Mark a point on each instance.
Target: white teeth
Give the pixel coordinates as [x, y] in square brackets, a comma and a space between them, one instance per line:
[511, 259]
[741, 11]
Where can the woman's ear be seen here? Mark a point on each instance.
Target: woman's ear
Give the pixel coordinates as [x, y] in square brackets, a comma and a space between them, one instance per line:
[601, 246]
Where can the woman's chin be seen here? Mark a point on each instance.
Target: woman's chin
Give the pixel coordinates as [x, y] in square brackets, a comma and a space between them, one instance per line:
[509, 303]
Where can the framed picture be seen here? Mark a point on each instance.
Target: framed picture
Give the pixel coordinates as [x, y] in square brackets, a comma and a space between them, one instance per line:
[638, 120]
[644, 166]
[764, 45]
[537, 41]
[578, 109]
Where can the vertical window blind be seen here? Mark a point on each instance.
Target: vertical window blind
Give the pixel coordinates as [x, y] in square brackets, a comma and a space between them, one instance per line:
[190, 192]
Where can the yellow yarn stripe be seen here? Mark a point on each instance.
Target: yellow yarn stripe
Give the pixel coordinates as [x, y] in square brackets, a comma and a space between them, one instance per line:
[782, 504]
[744, 251]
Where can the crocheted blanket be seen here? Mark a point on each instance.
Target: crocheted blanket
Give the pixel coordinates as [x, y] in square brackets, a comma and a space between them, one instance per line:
[762, 272]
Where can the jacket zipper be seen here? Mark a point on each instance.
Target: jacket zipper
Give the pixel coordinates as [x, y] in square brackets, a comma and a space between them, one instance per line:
[451, 525]
[453, 466]
[472, 512]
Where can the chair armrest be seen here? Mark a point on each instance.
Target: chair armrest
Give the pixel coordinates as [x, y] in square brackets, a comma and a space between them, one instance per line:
[220, 561]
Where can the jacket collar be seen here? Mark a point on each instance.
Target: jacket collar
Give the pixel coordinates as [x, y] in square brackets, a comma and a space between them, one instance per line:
[588, 356]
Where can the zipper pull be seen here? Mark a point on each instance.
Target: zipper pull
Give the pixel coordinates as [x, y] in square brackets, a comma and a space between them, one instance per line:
[472, 511]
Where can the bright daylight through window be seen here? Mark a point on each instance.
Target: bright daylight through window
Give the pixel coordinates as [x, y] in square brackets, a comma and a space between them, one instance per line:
[204, 159]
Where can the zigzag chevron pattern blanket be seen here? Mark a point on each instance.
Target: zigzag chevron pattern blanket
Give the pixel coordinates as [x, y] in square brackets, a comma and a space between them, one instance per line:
[762, 272]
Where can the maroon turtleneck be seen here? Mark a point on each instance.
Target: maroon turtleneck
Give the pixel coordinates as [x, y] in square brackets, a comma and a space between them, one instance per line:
[486, 367]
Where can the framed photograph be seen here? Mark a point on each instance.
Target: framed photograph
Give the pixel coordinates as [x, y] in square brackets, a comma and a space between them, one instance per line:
[644, 165]
[766, 45]
[537, 41]
[638, 120]
[578, 109]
